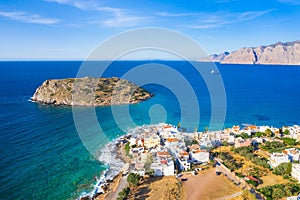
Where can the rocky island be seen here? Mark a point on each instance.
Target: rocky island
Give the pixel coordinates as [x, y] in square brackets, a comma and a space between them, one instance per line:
[90, 92]
[275, 54]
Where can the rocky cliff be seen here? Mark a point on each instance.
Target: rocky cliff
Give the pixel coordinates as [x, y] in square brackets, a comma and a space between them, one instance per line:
[90, 92]
[277, 54]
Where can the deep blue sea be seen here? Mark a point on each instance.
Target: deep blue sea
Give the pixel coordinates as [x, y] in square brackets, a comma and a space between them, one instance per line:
[42, 156]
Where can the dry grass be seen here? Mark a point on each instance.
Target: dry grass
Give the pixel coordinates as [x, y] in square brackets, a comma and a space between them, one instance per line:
[165, 188]
[272, 179]
[237, 198]
[207, 185]
[248, 166]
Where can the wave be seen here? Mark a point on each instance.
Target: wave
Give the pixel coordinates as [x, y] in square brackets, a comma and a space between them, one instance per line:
[109, 156]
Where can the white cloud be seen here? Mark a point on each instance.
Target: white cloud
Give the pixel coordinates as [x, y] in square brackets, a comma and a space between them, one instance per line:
[120, 21]
[167, 14]
[291, 2]
[116, 17]
[87, 5]
[28, 18]
[213, 20]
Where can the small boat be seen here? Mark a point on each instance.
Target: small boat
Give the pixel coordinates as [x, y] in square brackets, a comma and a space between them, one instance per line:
[214, 72]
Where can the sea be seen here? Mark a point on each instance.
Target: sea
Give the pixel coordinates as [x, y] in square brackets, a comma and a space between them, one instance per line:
[43, 156]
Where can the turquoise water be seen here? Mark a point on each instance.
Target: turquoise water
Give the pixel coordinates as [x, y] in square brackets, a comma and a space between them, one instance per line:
[42, 156]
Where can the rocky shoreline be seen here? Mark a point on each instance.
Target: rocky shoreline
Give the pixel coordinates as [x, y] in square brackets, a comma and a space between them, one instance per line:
[108, 182]
[90, 92]
[113, 154]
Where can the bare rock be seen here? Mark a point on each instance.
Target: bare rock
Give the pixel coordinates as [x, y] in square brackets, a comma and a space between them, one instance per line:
[277, 54]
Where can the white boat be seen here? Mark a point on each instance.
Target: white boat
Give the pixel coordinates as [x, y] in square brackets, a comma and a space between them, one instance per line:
[214, 72]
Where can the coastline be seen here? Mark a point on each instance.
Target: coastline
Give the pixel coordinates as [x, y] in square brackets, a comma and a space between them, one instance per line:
[120, 163]
[109, 178]
[114, 156]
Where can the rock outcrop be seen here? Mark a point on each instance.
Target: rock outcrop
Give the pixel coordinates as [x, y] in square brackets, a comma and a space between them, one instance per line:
[90, 92]
[277, 54]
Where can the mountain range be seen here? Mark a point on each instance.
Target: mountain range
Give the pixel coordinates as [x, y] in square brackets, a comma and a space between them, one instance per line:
[276, 54]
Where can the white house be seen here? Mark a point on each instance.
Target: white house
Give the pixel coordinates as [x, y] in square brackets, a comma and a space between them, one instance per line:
[257, 140]
[168, 168]
[235, 129]
[293, 153]
[168, 131]
[263, 128]
[294, 131]
[200, 156]
[171, 141]
[296, 171]
[183, 163]
[151, 141]
[156, 167]
[144, 157]
[139, 168]
[278, 158]
[140, 142]
[132, 141]
[163, 168]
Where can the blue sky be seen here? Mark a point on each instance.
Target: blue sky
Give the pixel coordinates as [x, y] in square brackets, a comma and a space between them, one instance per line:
[71, 29]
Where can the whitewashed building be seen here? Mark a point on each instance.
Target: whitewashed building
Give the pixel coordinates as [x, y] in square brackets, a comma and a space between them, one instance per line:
[278, 158]
[296, 172]
[151, 141]
[163, 168]
[293, 153]
[200, 156]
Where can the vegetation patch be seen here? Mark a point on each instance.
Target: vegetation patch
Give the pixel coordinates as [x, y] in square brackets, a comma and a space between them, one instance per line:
[279, 191]
[248, 152]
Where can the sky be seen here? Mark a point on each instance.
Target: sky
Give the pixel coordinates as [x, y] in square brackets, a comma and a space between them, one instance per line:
[71, 29]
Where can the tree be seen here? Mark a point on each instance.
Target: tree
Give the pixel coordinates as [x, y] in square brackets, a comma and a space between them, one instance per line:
[289, 141]
[254, 183]
[206, 129]
[269, 133]
[286, 132]
[133, 179]
[178, 125]
[225, 143]
[247, 195]
[278, 193]
[259, 134]
[123, 194]
[244, 135]
[283, 169]
[127, 148]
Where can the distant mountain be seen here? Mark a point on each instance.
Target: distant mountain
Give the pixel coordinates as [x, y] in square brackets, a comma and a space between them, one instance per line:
[215, 57]
[277, 54]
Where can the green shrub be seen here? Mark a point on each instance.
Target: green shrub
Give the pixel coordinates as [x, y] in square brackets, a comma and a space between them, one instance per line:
[133, 179]
[123, 194]
[283, 169]
[280, 190]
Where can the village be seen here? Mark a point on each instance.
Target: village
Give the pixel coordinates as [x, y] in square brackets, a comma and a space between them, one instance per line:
[249, 155]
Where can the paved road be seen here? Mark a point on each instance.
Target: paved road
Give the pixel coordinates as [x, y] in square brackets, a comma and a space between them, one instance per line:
[122, 184]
